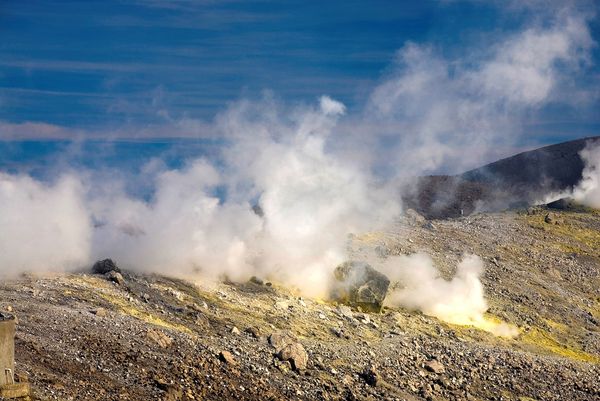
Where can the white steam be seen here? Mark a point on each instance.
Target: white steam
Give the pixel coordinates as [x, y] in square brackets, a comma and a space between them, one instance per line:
[310, 200]
[182, 230]
[587, 192]
[43, 227]
[460, 300]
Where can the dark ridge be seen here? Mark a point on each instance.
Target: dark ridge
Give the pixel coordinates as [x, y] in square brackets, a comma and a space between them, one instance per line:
[516, 181]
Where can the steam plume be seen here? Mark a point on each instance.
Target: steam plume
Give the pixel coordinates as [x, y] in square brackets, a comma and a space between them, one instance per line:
[43, 227]
[587, 191]
[458, 301]
[310, 200]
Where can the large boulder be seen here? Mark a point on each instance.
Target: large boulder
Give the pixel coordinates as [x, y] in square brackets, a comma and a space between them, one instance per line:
[358, 284]
[105, 266]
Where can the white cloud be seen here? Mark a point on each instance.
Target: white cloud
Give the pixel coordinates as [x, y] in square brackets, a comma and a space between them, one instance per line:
[35, 130]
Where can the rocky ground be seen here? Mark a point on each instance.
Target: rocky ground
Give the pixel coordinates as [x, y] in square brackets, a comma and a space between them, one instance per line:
[140, 337]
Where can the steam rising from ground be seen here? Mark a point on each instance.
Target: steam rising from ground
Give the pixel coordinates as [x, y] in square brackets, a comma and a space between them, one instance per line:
[587, 191]
[310, 200]
[459, 300]
[451, 113]
[43, 227]
[311, 176]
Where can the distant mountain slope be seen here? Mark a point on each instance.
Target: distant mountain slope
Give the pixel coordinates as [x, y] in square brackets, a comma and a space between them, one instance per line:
[517, 180]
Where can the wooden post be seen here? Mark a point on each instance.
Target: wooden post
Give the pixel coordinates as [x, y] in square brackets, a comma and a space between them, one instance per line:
[9, 389]
[7, 349]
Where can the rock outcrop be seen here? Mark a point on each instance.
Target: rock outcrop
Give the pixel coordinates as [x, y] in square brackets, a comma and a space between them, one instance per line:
[105, 266]
[360, 285]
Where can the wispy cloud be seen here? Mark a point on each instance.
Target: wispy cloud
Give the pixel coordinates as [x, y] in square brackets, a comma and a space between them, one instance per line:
[36, 131]
[97, 66]
[483, 91]
[181, 128]
[33, 91]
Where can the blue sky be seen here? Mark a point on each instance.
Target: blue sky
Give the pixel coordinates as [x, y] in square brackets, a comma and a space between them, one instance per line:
[87, 63]
[74, 67]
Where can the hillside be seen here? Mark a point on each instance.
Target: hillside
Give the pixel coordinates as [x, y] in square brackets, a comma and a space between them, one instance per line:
[515, 181]
[83, 337]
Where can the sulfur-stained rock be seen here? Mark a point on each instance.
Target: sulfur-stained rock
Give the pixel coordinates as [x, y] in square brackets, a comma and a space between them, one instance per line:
[435, 366]
[100, 312]
[358, 284]
[253, 331]
[227, 357]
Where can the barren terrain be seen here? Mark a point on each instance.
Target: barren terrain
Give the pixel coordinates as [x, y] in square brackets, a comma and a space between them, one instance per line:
[83, 337]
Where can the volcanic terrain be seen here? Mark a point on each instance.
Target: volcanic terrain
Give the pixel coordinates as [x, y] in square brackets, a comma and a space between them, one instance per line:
[84, 336]
[99, 334]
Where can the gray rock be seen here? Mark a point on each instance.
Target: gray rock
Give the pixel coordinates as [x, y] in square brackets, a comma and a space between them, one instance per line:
[358, 284]
[105, 266]
[160, 338]
[258, 210]
[371, 376]
[382, 251]
[414, 216]
[345, 311]
[428, 225]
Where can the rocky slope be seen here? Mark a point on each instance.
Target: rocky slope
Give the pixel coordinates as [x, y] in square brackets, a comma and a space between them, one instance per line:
[515, 181]
[85, 337]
